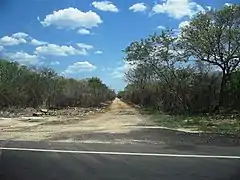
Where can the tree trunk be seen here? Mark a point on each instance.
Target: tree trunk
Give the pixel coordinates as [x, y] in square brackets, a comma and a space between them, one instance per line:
[222, 89]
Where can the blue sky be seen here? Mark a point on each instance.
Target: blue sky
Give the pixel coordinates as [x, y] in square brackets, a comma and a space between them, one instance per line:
[83, 38]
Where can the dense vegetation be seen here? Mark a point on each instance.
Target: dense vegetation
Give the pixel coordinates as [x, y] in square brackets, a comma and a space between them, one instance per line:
[21, 86]
[191, 73]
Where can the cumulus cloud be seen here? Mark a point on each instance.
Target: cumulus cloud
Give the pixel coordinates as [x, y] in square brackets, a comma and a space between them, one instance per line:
[227, 4]
[182, 24]
[11, 41]
[20, 38]
[57, 50]
[119, 72]
[161, 27]
[209, 8]
[83, 31]
[36, 42]
[85, 46]
[177, 8]
[53, 63]
[81, 66]
[23, 58]
[72, 18]
[138, 7]
[98, 52]
[105, 6]
[20, 35]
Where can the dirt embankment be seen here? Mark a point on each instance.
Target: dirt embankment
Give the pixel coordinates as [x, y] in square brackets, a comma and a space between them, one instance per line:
[119, 118]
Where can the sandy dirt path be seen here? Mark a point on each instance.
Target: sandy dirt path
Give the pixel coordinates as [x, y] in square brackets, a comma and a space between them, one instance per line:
[120, 118]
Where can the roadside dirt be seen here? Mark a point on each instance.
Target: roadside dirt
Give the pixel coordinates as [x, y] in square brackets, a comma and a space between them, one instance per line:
[119, 118]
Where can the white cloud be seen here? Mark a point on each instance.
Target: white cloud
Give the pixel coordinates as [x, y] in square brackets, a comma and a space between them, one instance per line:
[182, 24]
[176, 32]
[20, 35]
[56, 50]
[119, 72]
[83, 31]
[138, 7]
[177, 8]
[108, 69]
[105, 6]
[209, 8]
[161, 27]
[98, 52]
[36, 42]
[23, 58]
[20, 38]
[85, 46]
[11, 41]
[1, 48]
[227, 4]
[72, 18]
[78, 67]
[53, 63]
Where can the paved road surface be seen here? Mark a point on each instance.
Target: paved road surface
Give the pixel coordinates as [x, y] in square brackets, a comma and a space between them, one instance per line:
[113, 146]
[32, 160]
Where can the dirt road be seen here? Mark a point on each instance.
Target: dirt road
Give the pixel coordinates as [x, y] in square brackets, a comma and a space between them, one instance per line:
[109, 145]
[120, 118]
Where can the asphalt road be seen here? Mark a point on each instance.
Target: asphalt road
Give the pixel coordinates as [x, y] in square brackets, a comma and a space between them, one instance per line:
[141, 153]
[41, 160]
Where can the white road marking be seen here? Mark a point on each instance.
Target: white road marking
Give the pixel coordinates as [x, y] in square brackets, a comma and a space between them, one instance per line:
[121, 153]
[116, 141]
[173, 129]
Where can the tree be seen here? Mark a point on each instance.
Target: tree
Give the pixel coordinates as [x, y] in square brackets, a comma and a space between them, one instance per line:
[213, 37]
[155, 60]
[33, 87]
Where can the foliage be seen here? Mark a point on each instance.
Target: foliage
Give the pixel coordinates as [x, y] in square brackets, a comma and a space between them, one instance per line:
[21, 86]
[196, 72]
[214, 37]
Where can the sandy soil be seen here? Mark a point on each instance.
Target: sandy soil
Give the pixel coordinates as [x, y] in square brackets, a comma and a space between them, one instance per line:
[120, 118]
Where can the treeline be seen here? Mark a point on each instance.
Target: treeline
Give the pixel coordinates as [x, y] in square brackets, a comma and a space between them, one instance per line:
[194, 72]
[21, 86]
